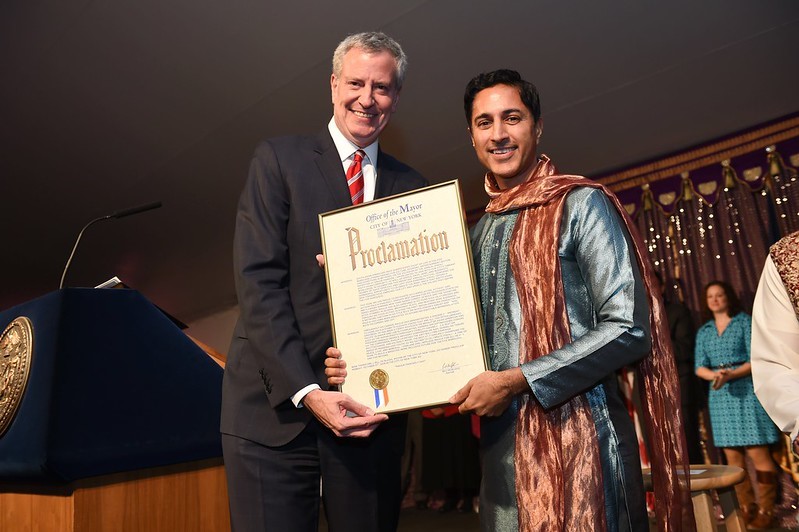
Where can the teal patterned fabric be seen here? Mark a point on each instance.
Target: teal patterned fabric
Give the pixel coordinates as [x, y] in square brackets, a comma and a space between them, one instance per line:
[502, 316]
[736, 416]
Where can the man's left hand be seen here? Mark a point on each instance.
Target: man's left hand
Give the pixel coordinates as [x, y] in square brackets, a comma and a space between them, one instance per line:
[490, 393]
[331, 408]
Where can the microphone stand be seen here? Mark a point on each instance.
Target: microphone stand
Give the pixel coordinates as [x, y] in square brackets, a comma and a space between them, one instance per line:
[69, 260]
[117, 214]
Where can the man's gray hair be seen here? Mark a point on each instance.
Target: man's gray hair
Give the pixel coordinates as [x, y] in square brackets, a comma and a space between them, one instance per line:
[372, 42]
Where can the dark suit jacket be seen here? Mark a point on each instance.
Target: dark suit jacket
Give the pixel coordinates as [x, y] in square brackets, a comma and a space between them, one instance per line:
[683, 333]
[280, 339]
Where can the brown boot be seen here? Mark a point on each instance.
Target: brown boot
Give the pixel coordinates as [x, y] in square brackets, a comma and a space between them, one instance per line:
[766, 494]
[746, 499]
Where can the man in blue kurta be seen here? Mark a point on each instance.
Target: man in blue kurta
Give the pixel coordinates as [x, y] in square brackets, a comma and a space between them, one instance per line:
[568, 299]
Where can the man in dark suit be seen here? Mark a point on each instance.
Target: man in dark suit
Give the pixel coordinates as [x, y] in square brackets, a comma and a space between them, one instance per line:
[282, 430]
[683, 334]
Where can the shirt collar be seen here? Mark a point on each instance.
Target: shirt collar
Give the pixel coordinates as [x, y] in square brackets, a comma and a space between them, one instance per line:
[345, 148]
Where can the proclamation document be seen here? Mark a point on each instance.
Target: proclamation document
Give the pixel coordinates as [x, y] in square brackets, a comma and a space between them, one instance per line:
[403, 298]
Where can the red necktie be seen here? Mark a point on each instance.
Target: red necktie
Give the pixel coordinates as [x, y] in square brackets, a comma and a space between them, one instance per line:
[355, 178]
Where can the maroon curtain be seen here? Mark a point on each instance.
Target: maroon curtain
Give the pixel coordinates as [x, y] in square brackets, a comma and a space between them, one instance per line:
[717, 222]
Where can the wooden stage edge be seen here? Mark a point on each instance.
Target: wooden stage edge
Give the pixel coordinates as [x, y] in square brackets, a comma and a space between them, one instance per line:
[190, 497]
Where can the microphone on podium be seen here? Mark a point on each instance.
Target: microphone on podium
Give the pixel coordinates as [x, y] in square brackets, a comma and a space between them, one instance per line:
[118, 214]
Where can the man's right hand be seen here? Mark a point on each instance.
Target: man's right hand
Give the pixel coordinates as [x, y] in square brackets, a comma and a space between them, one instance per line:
[331, 408]
[335, 367]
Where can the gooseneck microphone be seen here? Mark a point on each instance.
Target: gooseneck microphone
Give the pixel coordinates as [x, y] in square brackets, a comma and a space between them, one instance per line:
[134, 210]
[118, 214]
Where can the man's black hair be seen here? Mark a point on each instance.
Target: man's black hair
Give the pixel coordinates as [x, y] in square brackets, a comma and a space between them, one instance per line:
[527, 91]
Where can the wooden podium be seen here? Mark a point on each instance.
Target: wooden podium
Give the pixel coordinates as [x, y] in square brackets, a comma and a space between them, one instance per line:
[188, 497]
[118, 427]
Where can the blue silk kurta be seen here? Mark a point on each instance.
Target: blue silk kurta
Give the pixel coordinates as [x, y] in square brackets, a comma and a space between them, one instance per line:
[609, 320]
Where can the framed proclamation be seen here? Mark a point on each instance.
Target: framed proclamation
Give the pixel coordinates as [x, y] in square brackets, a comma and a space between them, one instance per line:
[403, 300]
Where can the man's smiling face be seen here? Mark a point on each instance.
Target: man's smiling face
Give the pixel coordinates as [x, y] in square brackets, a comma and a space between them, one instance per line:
[365, 95]
[504, 134]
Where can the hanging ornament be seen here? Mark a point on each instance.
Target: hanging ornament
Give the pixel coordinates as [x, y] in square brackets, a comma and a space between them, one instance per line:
[728, 173]
[774, 162]
[687, 190]
[648, 201]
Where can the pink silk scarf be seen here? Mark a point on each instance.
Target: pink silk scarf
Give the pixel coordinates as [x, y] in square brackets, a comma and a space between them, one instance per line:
[559, 483]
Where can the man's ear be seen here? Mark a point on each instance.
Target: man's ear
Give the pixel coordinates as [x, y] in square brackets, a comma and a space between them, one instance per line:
[471, 138]
[396, 101]
[333, 85]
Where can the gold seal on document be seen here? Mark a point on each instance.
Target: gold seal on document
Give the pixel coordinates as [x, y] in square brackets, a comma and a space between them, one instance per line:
[378, 379]
[16, 346]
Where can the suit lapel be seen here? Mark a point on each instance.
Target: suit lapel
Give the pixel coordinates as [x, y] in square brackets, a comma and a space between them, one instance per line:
[329, 164]
[384, 186]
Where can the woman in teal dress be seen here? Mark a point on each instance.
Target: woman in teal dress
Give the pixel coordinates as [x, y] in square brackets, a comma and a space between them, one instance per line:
[741, 427]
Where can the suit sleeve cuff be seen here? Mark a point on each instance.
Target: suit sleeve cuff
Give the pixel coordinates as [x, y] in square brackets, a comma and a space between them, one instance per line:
[299, 396]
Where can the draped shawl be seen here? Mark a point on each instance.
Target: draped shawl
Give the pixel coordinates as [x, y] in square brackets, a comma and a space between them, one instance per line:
[785, 256]
[558, 470]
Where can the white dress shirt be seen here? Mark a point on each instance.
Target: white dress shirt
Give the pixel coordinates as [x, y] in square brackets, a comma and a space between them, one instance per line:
[346, 150]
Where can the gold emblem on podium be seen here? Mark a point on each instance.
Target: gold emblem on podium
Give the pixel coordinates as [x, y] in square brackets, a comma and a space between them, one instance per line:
[16, 347]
